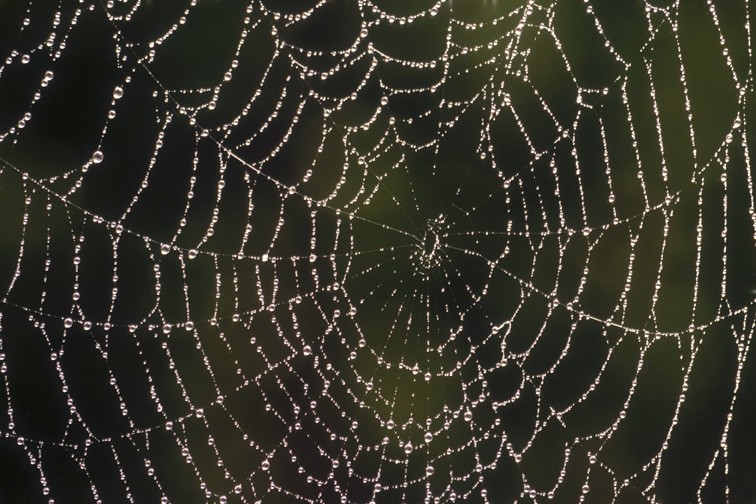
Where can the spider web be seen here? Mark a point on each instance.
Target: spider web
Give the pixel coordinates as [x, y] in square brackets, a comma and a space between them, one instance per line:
[376, 251]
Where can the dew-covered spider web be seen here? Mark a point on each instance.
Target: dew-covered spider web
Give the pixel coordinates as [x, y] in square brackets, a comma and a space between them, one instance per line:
[318, 251]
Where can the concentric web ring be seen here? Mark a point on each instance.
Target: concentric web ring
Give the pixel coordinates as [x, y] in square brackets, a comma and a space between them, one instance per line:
[376, 251]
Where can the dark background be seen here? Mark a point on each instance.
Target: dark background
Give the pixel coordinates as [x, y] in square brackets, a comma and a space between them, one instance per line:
[532, 330]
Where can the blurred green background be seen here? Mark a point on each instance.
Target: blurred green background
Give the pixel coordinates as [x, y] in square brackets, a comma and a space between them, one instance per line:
[588, 162]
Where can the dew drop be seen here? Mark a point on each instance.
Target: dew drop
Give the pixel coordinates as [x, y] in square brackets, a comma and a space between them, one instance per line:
[97, 157]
